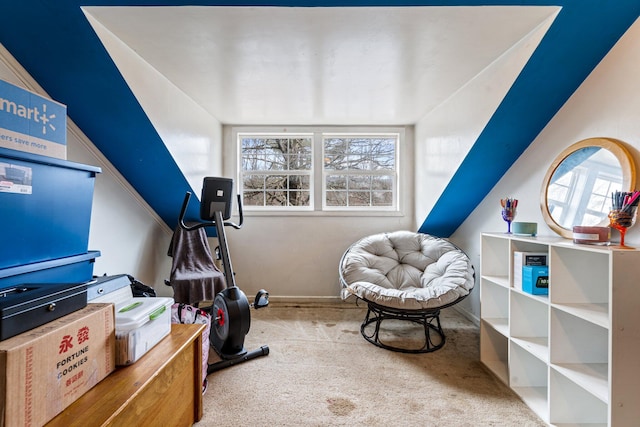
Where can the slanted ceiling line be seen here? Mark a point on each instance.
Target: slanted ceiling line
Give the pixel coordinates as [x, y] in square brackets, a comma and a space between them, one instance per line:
[55, 43]
[577, 41]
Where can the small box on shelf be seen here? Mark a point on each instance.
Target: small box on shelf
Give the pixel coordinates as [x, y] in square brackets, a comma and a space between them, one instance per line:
[535, 279]
[520, 259]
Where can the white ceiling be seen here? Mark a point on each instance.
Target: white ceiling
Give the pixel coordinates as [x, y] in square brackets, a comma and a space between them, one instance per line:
[335, 65]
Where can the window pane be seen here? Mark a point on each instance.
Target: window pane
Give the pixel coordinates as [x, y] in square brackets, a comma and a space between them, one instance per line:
[382, 183]
[372, 153]
[336, 198]
[275, 161]
[601, 186]
[275, 182]
[251, 144]
[335, 153]
[557, 193]
[359, 146]
[383, 154]
[359, 198]
[253, 182]
[253, 198]
[264, 154]
[300, 154]
[336, 182]
[382, 198]
[276, 198]
[363, 190]
[360, 182]
[592, 219]
[299, 182]
[362, 153]
[598, 203]
[299, 198]
[254, 162]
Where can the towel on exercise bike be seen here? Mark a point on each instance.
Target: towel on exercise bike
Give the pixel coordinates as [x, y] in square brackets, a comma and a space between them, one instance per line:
[194, 275]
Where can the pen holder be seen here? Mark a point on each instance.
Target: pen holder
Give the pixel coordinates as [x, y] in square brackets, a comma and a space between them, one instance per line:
[621, 220]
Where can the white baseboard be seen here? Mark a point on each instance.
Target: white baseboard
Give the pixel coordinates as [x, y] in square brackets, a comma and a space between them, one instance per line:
[468, 315]
[310, 301]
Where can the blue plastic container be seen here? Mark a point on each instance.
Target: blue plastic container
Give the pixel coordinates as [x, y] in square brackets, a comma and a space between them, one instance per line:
[45, 207]
[74, 269]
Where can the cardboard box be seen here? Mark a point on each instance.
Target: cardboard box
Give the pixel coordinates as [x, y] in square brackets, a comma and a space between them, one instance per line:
[44, 370]
[535, 279]
[520, 259]
[32, 123]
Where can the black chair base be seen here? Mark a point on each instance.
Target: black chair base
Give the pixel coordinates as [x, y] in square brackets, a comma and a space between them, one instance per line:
[429, 319]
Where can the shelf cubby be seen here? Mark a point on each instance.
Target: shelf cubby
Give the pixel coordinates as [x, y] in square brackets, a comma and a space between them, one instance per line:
[494, 251]
[579, 350]
[529, 324]
[584, 283]
[571, 405]
[528, 378]
[494, 352]
[495, 306]
[572, 355]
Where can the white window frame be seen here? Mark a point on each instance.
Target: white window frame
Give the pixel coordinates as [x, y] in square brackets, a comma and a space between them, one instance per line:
[317, 190]
[310, 173]
[393, 174]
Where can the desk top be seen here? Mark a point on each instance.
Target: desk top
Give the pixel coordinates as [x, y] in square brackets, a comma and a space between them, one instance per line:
[119, 389]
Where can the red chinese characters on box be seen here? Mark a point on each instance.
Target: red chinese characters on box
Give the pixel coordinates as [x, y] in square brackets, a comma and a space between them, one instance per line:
[48, 368]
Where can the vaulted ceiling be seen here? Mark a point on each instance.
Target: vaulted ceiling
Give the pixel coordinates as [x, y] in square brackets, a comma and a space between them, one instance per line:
[310, 62]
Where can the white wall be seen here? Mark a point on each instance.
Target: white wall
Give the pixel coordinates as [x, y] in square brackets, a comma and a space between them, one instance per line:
[291, 256]
[192, 136]
[607, 104]
[297, 256]
[446, 134]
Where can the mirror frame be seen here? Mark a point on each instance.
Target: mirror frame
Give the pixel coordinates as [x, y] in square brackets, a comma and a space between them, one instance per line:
[615, 147]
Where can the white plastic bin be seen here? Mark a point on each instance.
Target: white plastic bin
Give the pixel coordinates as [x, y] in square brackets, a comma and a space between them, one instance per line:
[140, 324]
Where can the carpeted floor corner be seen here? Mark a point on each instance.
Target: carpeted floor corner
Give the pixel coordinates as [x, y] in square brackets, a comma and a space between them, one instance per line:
[321, 372]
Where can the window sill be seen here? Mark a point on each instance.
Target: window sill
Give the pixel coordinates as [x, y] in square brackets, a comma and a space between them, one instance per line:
[322, 214]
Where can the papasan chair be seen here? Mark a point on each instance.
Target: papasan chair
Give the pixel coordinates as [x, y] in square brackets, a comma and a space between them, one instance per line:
[405, 276]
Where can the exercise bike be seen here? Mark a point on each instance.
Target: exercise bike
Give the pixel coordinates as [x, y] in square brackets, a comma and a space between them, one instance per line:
[230, 312]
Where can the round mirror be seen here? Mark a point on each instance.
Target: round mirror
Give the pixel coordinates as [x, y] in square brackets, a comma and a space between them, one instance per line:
[577, 187]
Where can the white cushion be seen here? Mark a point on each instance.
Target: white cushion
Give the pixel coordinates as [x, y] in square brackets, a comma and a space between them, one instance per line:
[406, 270]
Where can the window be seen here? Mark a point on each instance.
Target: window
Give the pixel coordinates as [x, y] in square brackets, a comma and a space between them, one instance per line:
[359, 171]
[281, 171]
[276, 170]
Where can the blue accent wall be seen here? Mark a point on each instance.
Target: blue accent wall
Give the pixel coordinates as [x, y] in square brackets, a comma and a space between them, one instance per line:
[580, 37]
[54, 42]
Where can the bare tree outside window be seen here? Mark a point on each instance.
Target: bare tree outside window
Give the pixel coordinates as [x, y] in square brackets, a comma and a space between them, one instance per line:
[359, 171]
[276, 171]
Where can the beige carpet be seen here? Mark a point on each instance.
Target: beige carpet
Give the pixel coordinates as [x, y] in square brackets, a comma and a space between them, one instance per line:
[321, 372]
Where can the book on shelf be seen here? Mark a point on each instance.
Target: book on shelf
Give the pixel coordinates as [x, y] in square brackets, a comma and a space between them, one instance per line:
[520, 259]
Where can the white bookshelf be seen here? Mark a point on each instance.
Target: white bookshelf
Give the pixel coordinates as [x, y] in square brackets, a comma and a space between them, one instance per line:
[572, 356]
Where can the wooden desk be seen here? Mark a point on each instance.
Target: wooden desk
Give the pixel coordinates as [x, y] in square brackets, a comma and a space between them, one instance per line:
[163, 388]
